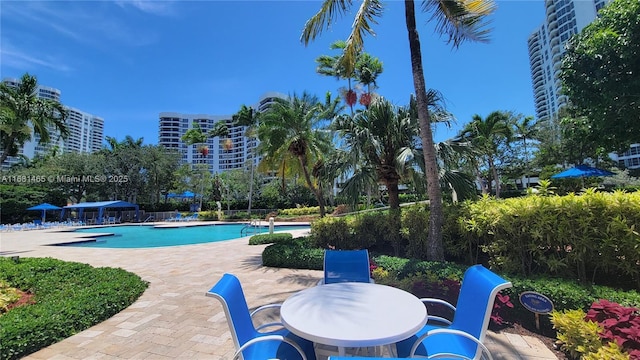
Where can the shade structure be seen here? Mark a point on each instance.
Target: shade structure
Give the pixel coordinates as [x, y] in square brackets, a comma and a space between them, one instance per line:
[44, 207]
[101, 206]
[582, 171]
[184, 195]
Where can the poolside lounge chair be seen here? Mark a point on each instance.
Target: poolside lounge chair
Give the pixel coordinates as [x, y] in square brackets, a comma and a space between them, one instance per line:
[192, 217]
[346, 266]
[250, 343]
[178, 217]
[462, 337]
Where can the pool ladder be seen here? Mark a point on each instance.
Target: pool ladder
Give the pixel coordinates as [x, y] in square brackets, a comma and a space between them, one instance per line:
[253, 227]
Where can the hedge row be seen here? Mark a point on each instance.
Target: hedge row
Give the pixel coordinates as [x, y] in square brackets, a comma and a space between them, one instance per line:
[296, 254]
[262, 239]
[69, 297]
[593, 237]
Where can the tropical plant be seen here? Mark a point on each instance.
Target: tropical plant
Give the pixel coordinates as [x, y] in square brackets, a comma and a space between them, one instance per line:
[378, 145]
[525, 129]
[290, 128]
[486, 136]
[459, 19]
[23, 114]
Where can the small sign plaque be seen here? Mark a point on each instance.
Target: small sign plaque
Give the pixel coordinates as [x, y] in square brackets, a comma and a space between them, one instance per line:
[536, 302]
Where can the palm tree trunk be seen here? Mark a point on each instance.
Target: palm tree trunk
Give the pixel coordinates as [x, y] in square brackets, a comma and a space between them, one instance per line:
[394, 197]
[496, 178]
[435, 248]
[307, 178]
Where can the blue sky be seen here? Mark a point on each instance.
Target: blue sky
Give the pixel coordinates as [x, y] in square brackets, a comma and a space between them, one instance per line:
[127, 61]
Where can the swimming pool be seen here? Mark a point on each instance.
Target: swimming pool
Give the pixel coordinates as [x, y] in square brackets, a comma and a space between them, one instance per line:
[128, 237]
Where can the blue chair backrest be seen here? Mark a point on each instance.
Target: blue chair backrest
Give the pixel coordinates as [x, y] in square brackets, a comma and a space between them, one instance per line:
[346, 265]
[475, 302]
[229, 291]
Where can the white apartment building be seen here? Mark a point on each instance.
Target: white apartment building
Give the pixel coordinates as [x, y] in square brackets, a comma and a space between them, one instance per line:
[546, 45]
[86, 131]
[223, 153]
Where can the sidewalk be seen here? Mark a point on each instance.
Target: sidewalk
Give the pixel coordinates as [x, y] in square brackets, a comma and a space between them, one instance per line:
[174, 319]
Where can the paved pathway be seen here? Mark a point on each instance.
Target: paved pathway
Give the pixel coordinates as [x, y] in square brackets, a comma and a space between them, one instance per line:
[174, 319]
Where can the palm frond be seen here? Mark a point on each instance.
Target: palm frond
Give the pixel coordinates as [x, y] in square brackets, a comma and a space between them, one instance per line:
[329, 11]
[362, 24]
[461, 20]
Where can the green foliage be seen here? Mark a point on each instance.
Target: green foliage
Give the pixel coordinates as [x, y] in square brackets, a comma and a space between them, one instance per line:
[332, 232]
[611, 351]
[599, 74]
[262, 239]
[576, 336]
[208, 215]
[8, 295]
[297, 254]
[70, 297]
[15, 199]
[594, 234]
[304, 210]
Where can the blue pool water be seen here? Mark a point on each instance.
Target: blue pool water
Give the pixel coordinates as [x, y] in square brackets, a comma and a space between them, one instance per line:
[149, 236]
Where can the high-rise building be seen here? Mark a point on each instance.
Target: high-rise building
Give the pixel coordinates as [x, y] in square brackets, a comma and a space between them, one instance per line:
[546, 45]
[222, 153]
[86, 131]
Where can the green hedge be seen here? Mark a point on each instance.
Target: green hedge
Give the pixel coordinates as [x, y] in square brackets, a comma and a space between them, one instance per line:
[262, 239]
[70, 297]
[578, 236]
[297, 254]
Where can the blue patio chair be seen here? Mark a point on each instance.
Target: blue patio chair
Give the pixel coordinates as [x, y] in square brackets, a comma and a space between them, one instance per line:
[346, 266]
[250, 343]
[462, 337]
[178, 217]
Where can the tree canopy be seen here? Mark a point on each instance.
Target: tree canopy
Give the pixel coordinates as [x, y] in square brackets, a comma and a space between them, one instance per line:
[600, 74]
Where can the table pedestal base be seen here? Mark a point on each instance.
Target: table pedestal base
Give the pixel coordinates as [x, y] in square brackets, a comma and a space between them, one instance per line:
[324, 351]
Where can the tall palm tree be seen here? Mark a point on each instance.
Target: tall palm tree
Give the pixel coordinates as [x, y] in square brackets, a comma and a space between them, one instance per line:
[23, 114]
[196, 135]
[486, 135]
[524, 130]
[460, 20]
[291, 127]
[248, 117]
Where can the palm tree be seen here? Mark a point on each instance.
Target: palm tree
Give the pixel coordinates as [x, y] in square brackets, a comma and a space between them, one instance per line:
[248, 117]
[486, 135]
[460, 20]
[196, 135]
[526, 129]
[23, 113]
[291, 128]
[379, 145]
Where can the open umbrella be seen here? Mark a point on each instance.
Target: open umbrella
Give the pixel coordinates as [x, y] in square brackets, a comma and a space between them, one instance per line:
[582, 171]
[44, 207]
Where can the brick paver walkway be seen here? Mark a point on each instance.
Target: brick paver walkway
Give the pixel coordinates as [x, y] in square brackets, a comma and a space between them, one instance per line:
[174, 319]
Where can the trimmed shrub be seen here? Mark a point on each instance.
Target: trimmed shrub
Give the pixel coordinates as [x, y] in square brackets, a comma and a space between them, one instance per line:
[262, 239]
[69, 297]
[297, 254]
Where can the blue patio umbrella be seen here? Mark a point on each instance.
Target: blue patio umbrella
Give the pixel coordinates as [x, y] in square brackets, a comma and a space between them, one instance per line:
[44, 207]
[582, 171]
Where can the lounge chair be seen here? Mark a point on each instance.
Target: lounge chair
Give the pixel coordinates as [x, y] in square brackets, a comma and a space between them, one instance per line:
[464, 336]
[178, 217]
[192, 217]
[346, 266]
[250, 343]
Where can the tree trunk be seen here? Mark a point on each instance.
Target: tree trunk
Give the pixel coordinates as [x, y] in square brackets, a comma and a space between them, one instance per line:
[496, 178]
[307, 178]
[394, 197]
[435, 248]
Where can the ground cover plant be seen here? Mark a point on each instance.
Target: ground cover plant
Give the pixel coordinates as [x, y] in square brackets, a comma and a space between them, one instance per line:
[68, 297]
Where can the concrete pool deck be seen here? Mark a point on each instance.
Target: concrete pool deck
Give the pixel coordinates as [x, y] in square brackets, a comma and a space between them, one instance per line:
[174, 319]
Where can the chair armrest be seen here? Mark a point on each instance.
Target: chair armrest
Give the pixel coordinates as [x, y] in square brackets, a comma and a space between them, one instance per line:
[434, 332]
[265, 307]
[440, 302]
[269, 338]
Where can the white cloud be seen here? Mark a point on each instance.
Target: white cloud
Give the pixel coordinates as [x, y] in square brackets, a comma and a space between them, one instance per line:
[22, 60]
[154, 7]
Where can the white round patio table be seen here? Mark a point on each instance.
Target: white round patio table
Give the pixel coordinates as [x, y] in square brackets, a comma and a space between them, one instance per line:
[351, 314]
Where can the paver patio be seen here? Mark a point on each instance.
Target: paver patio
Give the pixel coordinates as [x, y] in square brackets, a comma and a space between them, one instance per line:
[174, 319]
